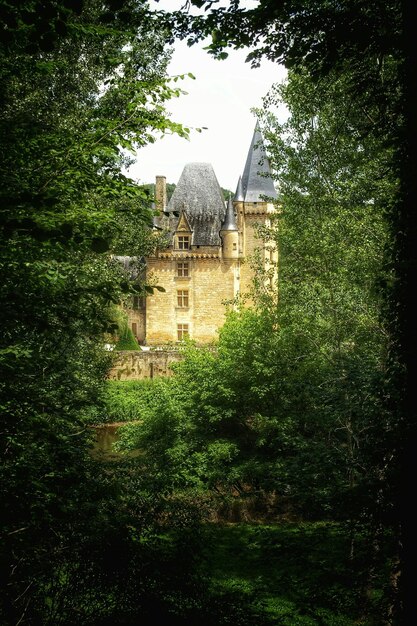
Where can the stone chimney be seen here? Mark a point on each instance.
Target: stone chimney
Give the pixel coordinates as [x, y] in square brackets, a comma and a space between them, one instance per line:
[160, 193]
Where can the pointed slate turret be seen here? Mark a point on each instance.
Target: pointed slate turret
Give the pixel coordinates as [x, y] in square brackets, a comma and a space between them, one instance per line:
[229, 233]
[230, 219]
[256, 179]
[239, 197]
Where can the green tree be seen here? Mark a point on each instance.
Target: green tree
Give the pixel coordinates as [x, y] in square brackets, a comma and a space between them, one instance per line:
[82, 84]
[336, 187]
[127, 340]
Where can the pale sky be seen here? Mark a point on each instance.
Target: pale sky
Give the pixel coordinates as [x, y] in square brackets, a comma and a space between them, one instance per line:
[221, 98]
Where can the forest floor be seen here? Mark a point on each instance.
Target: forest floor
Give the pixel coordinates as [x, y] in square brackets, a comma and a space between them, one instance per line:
[300, 574]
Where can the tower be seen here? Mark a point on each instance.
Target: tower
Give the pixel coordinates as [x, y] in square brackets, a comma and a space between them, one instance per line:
[229, 233]
[254, 205]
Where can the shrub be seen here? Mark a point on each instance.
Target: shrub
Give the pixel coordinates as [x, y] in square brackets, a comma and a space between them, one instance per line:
[127, 340]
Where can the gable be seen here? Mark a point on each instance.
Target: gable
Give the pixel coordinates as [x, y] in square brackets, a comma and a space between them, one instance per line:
[183, 224]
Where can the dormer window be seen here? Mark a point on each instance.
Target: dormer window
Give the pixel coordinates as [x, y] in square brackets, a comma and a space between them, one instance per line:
[183, 242]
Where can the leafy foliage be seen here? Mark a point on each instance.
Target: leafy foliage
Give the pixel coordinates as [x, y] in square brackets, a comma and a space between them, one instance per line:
[81, 84]
[289, 409]
[125, 337]
[128, 400]
[300, 403]
[337, 188]
[300, 573]
[290, 401]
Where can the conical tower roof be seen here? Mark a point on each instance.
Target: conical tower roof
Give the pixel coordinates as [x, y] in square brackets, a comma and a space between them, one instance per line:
[256, 178]
[239, 196]
[230, 219]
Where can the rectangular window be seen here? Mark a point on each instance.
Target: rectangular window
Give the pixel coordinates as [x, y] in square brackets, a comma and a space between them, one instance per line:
[135, 329]
[138, 302]
[183, 269]
[184, 242]
[182, 330]
[182, 298]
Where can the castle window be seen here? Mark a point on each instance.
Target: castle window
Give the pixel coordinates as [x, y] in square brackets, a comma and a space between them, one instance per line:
[184, 242]
[234, 246]
[183, 269]
[182, 298]
[182, 331]
[138, 302]
[135, 329]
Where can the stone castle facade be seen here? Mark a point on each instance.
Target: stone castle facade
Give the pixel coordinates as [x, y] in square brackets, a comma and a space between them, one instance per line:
[206, 262]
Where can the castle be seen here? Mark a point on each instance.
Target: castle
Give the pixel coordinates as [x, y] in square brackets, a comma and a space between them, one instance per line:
[206, 262]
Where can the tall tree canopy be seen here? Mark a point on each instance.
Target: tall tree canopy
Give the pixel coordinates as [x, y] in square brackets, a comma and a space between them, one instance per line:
[82, 84]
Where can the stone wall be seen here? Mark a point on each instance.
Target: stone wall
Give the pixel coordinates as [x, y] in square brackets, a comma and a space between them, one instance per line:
[210, 283]
[140, 364]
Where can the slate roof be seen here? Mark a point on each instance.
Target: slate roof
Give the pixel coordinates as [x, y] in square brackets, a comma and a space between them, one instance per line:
[239, 196]
[256, 180]
[230, 218]
[199, 195]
